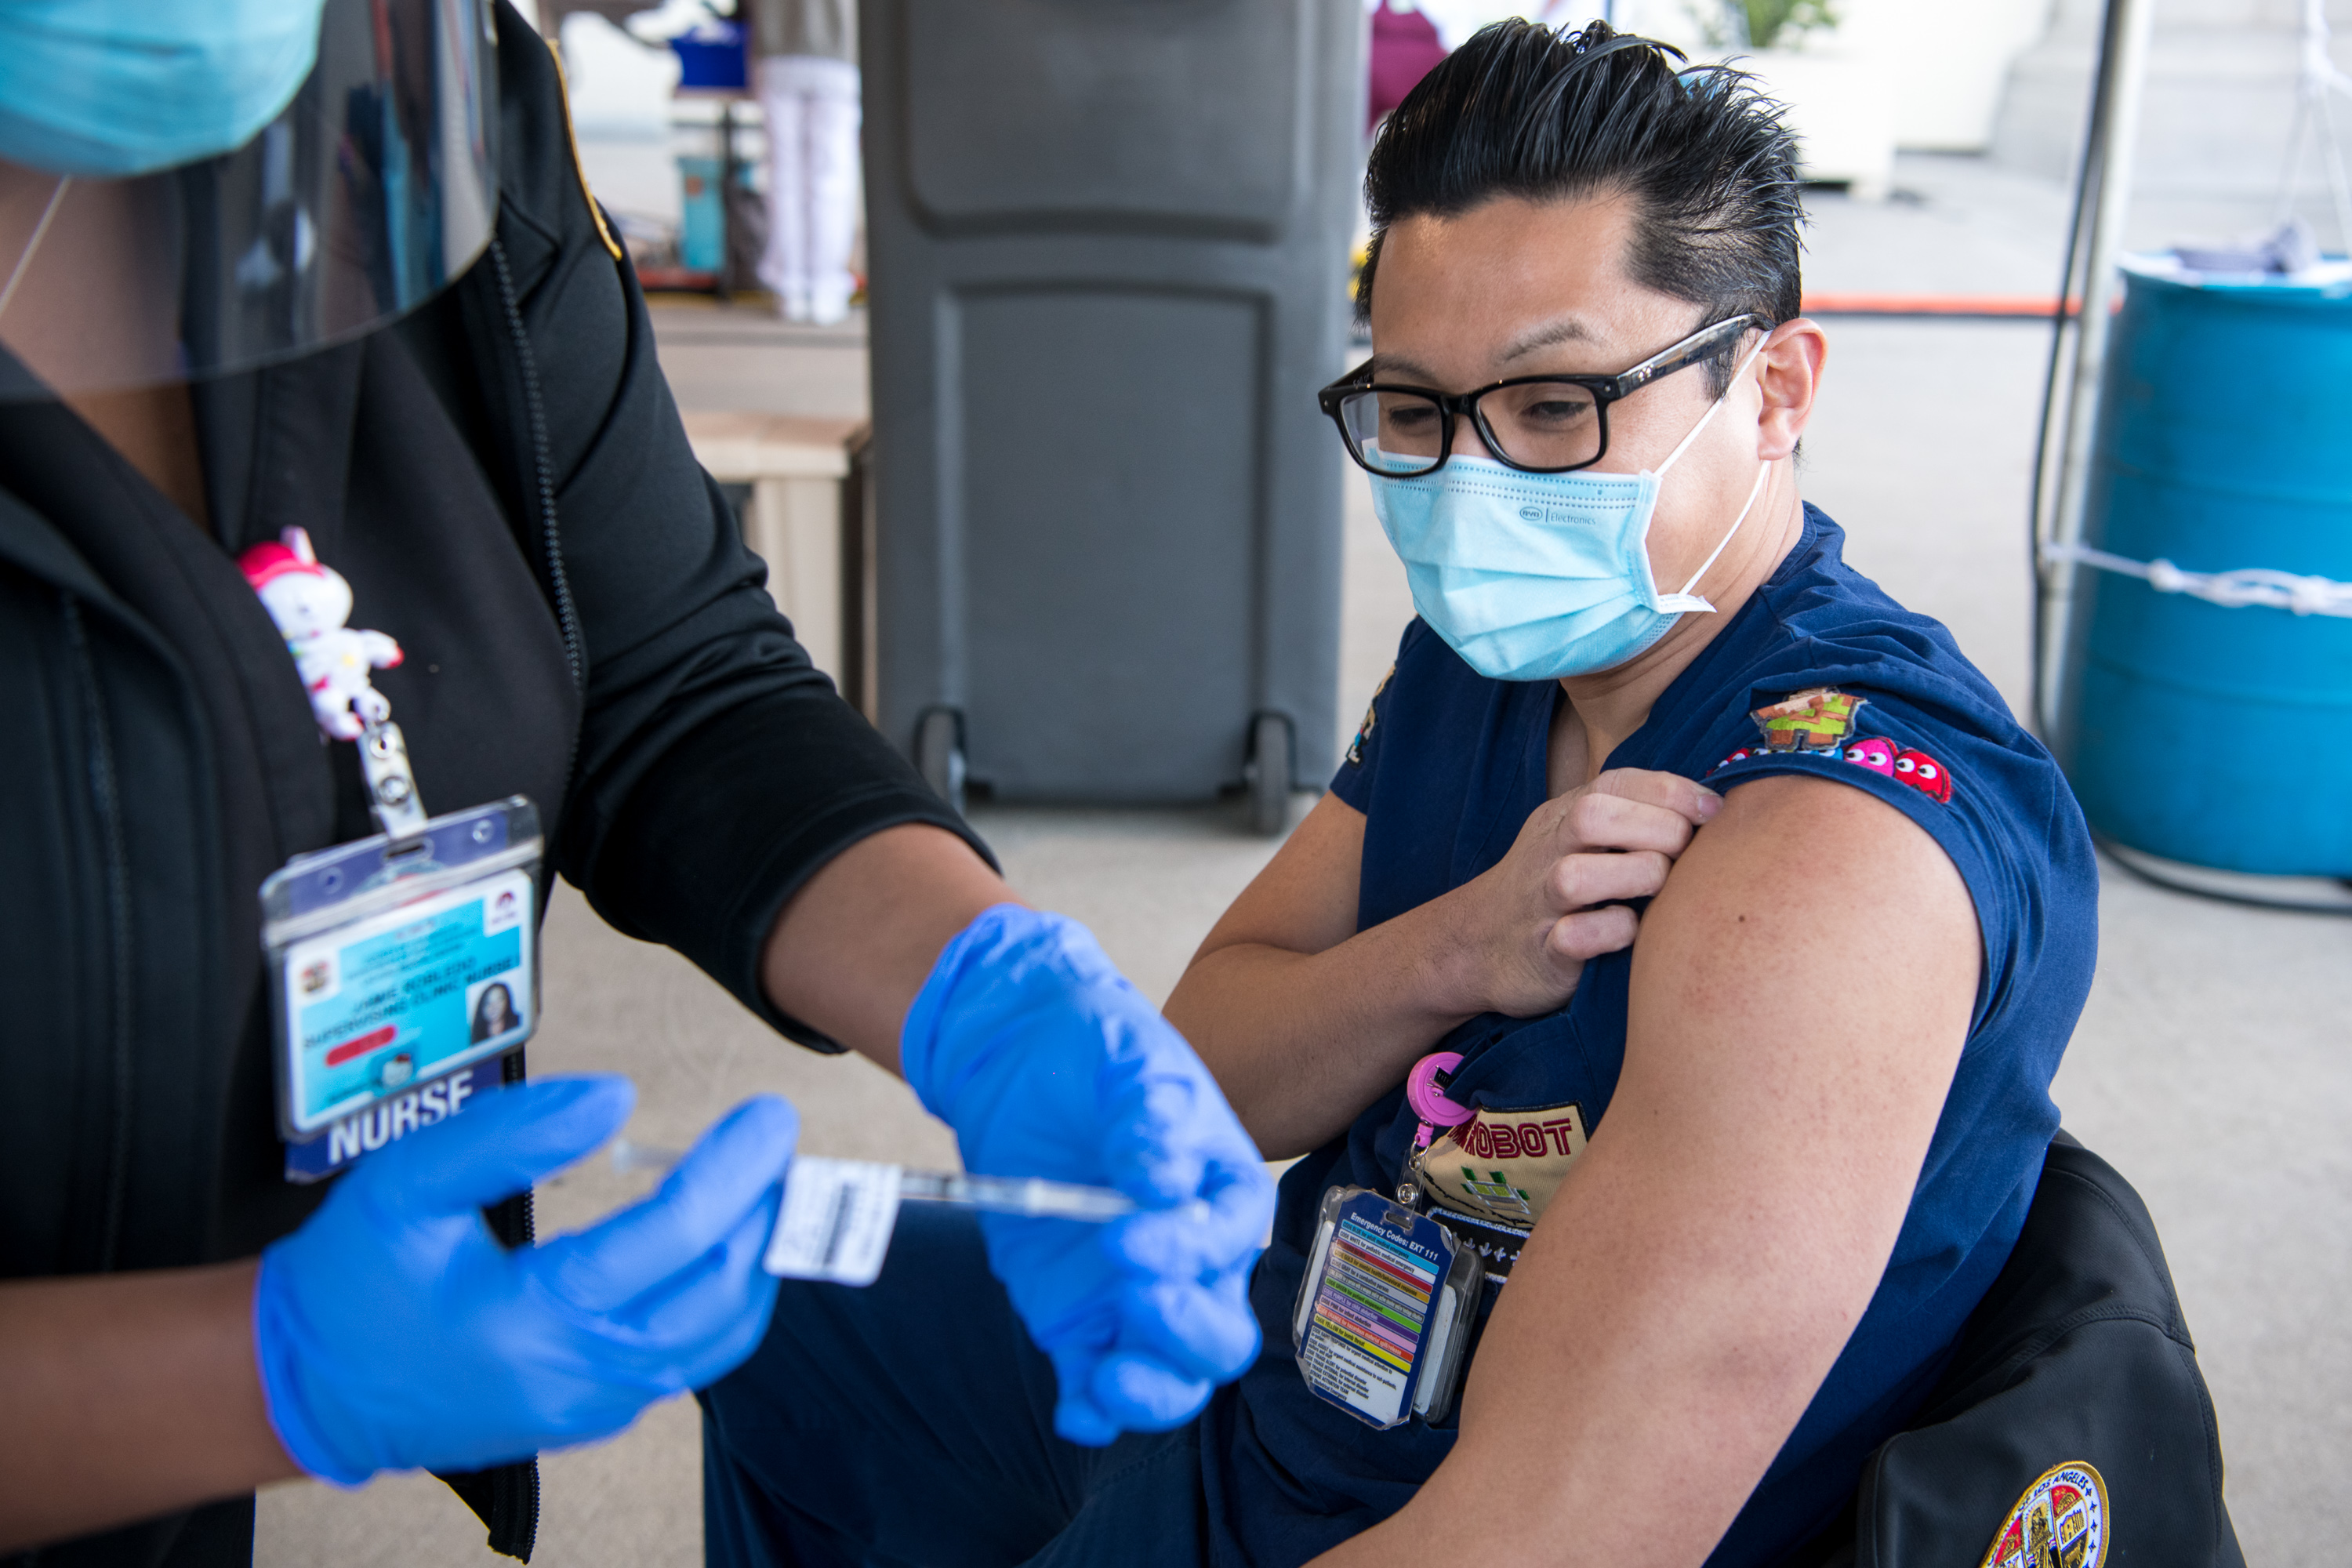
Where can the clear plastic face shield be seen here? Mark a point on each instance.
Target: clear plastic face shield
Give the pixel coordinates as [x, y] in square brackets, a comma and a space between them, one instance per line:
[374, 187]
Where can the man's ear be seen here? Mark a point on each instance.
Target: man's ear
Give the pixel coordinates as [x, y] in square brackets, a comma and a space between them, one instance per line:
[1788, 374]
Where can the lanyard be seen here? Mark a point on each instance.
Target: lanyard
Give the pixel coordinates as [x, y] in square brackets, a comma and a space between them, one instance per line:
[309, 601]
[404, 965]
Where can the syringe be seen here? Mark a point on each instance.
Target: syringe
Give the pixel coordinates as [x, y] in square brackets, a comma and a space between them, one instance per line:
[1031, 1196]
[838, 1215]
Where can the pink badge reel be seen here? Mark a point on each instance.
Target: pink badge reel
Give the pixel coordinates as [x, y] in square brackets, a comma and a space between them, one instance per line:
[1428, 1101]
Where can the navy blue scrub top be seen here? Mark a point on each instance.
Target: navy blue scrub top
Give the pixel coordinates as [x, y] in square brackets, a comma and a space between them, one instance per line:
[1447, 768]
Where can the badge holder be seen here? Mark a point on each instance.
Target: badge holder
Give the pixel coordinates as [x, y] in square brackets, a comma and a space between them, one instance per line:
[401, 969]
[1384, 1319]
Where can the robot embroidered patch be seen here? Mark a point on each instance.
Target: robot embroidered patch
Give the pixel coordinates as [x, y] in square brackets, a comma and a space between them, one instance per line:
[1503, 1165]
[2060, 1522]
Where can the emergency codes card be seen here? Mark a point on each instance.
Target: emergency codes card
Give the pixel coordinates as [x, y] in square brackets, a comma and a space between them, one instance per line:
[412, 993]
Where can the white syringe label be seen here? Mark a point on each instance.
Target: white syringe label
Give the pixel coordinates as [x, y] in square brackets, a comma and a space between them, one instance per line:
[836, 1220]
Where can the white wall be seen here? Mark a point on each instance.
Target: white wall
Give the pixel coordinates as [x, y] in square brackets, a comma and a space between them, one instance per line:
[1952, 57]
[1948, 58]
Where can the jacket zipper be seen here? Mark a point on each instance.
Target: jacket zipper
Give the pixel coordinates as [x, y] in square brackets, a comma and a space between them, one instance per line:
[106, 798]
[575, 652]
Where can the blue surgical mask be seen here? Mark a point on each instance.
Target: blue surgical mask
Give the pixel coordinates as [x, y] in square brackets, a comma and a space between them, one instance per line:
[107, 88]
[1534, 576]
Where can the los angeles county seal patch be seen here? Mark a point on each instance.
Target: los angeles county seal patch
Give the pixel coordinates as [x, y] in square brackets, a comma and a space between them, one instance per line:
[2060, 1522]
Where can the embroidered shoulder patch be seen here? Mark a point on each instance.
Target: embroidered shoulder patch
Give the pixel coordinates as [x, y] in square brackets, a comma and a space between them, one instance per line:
[1817, 723]
[1904, 765]
[1815, 720]
[2060, 1522]
[1923, 774]
[1371, 717]
[1876, 752]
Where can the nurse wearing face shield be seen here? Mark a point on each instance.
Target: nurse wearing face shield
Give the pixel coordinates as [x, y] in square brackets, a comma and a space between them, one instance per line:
[328, 408]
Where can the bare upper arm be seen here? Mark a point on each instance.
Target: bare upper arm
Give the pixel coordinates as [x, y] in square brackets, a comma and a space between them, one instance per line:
[1801, 992]
[1305, 899]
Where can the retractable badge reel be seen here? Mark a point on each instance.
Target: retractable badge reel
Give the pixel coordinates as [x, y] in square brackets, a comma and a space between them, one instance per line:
[1385, 1313]
[402, 967]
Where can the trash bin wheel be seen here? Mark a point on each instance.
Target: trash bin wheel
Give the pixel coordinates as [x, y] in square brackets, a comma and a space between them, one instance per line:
[938, 753]
[1268, 773]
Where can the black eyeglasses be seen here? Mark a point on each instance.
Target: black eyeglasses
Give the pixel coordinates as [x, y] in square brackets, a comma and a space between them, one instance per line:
[1539, 424]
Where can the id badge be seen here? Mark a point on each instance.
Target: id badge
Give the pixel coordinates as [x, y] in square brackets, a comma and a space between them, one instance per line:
[1385, 1314]
[398, 974]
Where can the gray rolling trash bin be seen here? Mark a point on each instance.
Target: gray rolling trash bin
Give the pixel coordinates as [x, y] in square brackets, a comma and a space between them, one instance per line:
[1108, 246]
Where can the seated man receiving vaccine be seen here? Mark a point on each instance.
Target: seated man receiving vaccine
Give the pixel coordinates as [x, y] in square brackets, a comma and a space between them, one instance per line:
[1663, 1000]
[1690, 929]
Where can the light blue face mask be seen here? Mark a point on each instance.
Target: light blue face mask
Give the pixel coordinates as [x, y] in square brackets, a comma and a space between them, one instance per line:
[108, 88]
[1534, 576]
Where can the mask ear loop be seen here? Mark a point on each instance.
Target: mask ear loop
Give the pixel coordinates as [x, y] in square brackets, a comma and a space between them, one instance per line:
[1753, 490]
[1683, 445]
[40, 232]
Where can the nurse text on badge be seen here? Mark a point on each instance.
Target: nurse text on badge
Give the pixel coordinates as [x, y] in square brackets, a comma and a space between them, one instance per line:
[394, 966]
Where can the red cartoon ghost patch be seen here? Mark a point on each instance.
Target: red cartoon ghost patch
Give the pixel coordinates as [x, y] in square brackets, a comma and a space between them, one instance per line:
[1923, 774]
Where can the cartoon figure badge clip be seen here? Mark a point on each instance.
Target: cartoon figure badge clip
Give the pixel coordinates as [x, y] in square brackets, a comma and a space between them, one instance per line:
[309, 602]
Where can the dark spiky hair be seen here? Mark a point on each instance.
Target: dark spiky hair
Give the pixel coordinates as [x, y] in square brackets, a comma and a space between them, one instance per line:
[1522, 111]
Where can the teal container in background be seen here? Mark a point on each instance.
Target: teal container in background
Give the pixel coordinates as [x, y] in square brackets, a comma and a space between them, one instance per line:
[702, 229]
[2218, 736]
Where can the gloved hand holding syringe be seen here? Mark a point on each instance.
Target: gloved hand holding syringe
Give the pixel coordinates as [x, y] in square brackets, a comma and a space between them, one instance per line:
[838, 1215]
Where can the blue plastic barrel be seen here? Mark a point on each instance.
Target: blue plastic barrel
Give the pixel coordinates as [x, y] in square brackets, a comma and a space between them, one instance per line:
[2206, 734]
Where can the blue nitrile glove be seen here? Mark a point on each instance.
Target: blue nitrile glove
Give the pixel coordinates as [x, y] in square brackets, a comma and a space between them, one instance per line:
[1047, 1063]
[394, 1332]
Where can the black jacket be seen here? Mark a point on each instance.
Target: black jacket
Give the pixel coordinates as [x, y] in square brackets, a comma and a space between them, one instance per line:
[504, 479]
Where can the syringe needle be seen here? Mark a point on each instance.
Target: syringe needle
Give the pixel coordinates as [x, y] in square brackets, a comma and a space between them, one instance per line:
[626, 1156]
[1030, 1195]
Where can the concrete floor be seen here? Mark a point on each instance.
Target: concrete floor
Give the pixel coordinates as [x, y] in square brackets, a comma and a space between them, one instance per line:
[2213, 1066]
